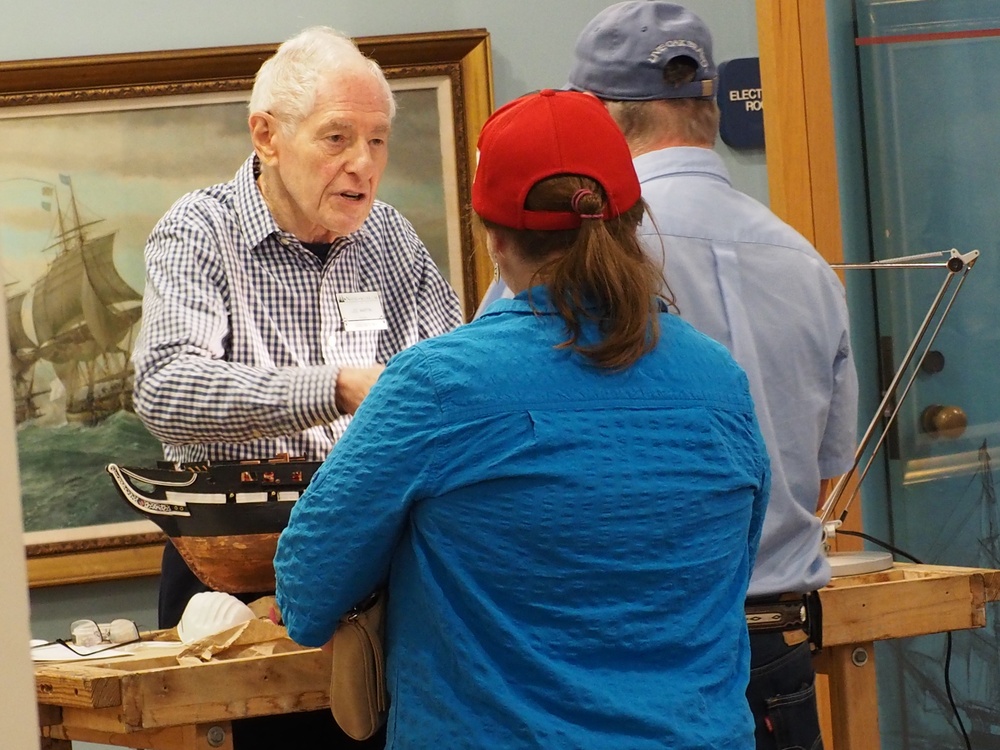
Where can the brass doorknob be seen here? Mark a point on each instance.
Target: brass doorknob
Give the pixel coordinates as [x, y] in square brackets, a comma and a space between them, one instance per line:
[944, 421]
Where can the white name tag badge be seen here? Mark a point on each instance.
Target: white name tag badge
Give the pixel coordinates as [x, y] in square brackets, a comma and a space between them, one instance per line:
[362, 311]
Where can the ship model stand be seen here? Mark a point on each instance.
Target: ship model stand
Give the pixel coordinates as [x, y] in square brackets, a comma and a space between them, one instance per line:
[224, 518]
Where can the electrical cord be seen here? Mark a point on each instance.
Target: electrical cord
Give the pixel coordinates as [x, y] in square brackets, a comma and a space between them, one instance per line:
[884, 545]
[948, 641]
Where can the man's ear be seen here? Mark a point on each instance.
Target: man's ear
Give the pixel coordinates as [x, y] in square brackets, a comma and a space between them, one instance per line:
[264, 136]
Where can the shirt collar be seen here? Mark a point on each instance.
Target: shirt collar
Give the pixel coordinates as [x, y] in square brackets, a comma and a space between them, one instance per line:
[533, 301]
[255, 218]
[680, 160]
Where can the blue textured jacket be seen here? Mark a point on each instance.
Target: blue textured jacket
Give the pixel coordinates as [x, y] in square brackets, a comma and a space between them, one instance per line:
[744, 277]
[568, 549]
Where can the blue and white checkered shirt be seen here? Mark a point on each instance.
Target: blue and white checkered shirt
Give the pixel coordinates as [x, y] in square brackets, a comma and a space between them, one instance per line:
[242, 338]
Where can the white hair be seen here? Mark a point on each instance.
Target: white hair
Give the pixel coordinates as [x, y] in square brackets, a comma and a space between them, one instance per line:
[286, 83]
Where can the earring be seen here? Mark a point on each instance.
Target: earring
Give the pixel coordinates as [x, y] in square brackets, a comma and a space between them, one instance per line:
[496, 273]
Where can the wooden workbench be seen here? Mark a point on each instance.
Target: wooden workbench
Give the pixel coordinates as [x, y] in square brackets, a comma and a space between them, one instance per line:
[149, 701]
[908, 600]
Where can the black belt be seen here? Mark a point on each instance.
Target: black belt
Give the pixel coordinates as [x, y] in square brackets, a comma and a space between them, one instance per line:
[776, 614]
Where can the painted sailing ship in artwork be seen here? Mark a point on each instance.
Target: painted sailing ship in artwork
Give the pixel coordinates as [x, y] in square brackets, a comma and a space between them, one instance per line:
[77, 319]
[224, 518]
[24, 356]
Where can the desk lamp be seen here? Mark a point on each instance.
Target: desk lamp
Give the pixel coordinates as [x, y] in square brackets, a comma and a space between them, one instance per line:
[956, 264]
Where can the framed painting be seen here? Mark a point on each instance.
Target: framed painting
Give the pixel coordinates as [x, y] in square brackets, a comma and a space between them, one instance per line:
[93, 150]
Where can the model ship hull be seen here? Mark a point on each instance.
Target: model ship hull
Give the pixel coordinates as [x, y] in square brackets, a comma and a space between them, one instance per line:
[223, 518]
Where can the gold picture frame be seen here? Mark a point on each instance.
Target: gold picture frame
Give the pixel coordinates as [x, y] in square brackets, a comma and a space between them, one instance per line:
[456, 64]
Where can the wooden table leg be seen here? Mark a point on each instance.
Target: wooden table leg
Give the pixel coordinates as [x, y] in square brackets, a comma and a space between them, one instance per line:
[853, 695]
[49, 716]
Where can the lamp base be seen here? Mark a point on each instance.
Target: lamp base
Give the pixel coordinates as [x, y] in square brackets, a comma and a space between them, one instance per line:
[855, 563]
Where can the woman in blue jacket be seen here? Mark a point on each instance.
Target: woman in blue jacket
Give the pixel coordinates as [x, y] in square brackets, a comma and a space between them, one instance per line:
[564, 496]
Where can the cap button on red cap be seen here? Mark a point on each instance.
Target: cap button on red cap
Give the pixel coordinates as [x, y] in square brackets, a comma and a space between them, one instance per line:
[546, 92]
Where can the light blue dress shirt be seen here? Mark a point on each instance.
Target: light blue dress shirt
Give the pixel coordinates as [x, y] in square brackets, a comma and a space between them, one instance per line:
[754, 284]
[568, 548]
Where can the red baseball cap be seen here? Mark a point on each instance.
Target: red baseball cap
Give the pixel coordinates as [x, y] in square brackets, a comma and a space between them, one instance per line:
[546, 134]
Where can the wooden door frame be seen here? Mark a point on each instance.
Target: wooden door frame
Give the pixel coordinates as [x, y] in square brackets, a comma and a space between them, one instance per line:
[802, 172]
[798, 120]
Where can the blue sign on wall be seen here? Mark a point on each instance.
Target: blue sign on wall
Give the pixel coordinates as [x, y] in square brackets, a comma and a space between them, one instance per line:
[741, 104]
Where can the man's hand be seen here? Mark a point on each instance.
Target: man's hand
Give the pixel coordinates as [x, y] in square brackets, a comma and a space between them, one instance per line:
[353, 384]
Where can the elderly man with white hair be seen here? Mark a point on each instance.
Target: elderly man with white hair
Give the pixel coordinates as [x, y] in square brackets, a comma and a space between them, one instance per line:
[258, 335]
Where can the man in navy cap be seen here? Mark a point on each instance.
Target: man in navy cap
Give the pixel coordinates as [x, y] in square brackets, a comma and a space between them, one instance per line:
[748, 280]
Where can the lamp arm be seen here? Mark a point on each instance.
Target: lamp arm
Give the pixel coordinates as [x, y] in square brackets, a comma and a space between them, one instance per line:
[956, 262]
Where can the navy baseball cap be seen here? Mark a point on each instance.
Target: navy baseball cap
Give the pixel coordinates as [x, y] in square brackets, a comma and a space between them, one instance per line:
[621, 54]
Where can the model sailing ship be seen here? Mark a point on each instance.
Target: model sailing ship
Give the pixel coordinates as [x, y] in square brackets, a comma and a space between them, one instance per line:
[82, 312]
[224, 518]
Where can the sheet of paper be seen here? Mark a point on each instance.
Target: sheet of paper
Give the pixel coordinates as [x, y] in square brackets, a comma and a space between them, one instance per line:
[44, 651]
[58, 652]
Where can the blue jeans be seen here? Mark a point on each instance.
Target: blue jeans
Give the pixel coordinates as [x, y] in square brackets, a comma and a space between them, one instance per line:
[782, 694]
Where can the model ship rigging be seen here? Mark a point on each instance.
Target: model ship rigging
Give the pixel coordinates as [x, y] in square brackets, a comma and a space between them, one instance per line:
[223, 518]
[81, 315]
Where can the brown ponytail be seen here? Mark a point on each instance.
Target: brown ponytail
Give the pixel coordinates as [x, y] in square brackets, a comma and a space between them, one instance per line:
[598, 272]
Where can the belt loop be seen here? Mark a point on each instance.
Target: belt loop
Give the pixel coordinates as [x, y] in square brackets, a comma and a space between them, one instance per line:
[814, 620]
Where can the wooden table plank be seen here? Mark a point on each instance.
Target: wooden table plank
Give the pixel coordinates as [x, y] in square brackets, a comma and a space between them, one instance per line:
[212, 736]
[77, 684]
[905, 601]
[228, 689]
[152, 691]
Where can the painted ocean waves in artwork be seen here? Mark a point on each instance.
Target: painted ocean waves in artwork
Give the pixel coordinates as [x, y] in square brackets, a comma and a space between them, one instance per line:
[63, 481]
[71, 331]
